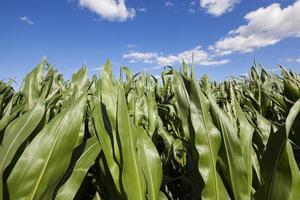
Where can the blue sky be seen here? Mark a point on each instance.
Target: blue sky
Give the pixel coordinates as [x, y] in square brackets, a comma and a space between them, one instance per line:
[225, 36]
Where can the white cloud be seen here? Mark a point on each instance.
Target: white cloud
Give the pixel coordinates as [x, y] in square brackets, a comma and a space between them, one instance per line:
[147, 57]
[191, 10]
[266, 26]
[218, 7]
[26, 20]
[131, 45]
[141, 9]
[197, 55]
[132, 61]
[113, 10]
[192, 3]
[169, 4]
[292, 60]
[157, 67]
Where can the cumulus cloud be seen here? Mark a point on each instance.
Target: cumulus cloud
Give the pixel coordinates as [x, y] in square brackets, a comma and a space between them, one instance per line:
[113, 10]
[26, 20]
[198, 55]
[218, 7]
[265, 26]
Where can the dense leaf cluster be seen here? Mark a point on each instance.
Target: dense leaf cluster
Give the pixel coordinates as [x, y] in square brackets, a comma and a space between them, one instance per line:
[140, 137]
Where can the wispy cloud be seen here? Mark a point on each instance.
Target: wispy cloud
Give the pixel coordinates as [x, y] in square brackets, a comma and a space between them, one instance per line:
[132, 61]
[265, 26]
[141, 9]
[196, 55]
[25, 19]
[218, 7]
[192, 10]
[131, 46]
[113, 10]
[293, 60]
[169, 4]
[145, 57]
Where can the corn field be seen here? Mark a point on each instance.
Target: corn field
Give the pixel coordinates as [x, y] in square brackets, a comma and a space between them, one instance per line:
[139, 137]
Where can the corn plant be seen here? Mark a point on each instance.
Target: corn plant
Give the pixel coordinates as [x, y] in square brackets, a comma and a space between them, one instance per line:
[139, 137]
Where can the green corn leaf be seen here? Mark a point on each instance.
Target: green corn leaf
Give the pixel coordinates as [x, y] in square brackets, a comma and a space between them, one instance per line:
[182, 102]
[97, 196]
[245, 135]
[162, 196]
[78, 172]
[295, 193]
[47, 157]
[278, 165]
[236, 167]
[108, 93]
[80, 78]
[150, 164]
[275, 169]
[106, 143]
[256, 166]
[32, 86]
[132, 175]
[207, 142]
[4, 121]
[16, 133]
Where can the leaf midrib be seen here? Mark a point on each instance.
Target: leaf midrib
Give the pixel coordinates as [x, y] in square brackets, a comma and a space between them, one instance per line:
[11, 144]
[48, 158]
